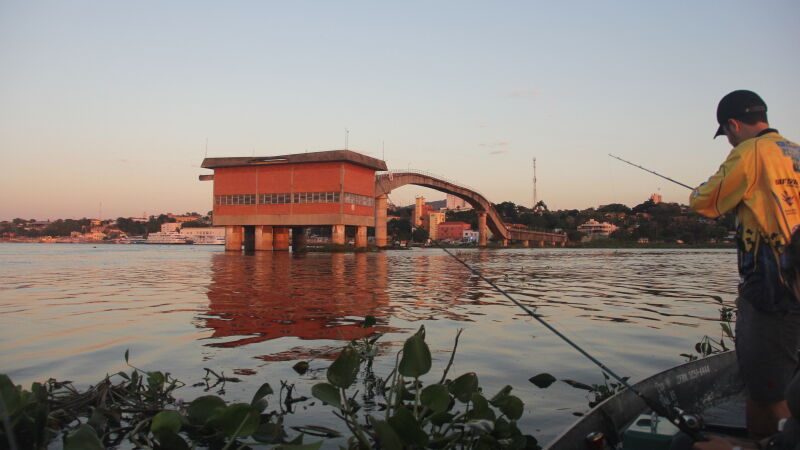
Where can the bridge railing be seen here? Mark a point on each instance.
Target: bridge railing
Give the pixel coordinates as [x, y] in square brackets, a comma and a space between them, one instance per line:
[437, 176]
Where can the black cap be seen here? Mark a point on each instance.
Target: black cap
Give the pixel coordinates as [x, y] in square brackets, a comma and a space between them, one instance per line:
[737, 104]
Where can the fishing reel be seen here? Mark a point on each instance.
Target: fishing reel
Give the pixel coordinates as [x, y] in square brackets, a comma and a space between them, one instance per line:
[689, 423]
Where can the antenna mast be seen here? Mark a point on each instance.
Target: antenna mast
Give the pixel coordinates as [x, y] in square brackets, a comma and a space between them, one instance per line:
[534, 183]
[346, 136]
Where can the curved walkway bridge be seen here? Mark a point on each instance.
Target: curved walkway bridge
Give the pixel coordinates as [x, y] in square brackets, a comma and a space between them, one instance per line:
[488, 218]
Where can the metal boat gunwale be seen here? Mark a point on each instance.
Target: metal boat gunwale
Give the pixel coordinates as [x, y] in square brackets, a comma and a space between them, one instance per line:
[693, 386]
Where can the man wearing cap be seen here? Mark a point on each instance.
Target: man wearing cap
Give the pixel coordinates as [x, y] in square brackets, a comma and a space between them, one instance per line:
[760, 180]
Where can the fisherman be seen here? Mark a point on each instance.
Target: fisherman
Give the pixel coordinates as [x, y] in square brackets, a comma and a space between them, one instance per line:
[760, 180]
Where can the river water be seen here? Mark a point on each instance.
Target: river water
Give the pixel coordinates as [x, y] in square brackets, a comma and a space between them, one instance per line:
[71, 311]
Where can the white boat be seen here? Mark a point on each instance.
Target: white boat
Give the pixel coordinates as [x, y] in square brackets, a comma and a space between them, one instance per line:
[166, 237]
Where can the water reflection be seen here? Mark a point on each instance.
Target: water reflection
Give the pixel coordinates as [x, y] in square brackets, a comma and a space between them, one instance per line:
[270, 295]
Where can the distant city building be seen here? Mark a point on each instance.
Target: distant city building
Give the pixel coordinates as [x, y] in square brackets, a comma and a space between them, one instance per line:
[457, 203]
[170, 227]
[656, 198]
[431, 222]
[594, 229]
[421, 209]
[470, 235]
[452, 230]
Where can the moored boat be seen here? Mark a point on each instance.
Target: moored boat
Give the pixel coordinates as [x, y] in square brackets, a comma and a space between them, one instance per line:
[710, 387]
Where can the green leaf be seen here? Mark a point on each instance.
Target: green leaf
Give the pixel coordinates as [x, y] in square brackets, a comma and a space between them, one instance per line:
[259, 402]
[342, 373]
[166, 422]
[386, 436]
[480, 408]
[155, 380]
[543, 380]
[269, 433]
[127, 353]
[501, 395]
[512, 407]
[463, 386]
[416, 360]
[83, 438]
[441, 418]
[301, 367]
[312, 446]
[203, 408]
[237, 420]
[406, 426]
[577, 384]
[436, 397]
[172, 441]
[328, 393]
[10, 394]
[369, 321]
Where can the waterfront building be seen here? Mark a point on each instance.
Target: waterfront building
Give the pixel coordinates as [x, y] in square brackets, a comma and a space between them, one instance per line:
[259, 200]
[656, 198]
[594, 229]
[470, 235]
[431, 223]
[452, 230]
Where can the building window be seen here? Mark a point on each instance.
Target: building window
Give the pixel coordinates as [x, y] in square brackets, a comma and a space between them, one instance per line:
[356, 199]
[297, 198]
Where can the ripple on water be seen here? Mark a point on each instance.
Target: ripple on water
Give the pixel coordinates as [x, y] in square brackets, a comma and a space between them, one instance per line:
[71, 311]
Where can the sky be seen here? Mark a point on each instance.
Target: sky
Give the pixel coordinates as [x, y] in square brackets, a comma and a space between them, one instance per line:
[107, 108]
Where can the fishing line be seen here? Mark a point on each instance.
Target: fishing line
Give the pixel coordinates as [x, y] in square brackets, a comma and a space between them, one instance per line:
[676, 417]
[654, 173]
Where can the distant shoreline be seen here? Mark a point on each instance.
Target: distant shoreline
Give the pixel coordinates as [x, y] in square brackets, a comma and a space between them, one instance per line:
[327, 249]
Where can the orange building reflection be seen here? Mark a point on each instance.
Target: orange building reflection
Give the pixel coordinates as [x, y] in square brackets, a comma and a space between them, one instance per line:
[269, 295]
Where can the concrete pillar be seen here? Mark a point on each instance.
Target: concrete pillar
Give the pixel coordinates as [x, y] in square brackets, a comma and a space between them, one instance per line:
[361, 237]
[526, 243]
[280, 238]
[337, 234]
[234, 235]
[483, 230]
[298, 238]
[263, 237]
[380, 221]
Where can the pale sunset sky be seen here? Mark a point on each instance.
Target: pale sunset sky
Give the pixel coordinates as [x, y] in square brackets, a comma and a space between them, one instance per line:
[112, 102]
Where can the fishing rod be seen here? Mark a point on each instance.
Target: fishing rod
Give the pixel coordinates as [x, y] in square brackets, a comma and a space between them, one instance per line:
[685, 422]
[654, 173]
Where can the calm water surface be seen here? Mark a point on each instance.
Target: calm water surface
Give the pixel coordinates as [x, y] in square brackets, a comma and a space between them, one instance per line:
[71, 311]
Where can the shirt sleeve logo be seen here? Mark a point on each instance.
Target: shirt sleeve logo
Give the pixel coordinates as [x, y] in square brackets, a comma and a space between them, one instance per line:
[792, 151]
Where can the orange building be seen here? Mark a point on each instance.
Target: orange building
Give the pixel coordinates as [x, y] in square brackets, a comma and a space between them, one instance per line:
[260, 199]
[452, 230]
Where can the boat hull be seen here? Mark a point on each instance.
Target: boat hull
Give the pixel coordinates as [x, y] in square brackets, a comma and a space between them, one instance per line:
[694, 387]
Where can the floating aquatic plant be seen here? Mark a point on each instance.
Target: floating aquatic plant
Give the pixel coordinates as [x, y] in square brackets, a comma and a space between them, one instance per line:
[139, 408]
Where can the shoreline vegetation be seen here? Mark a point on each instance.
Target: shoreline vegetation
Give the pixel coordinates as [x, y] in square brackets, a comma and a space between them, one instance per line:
[650, 224]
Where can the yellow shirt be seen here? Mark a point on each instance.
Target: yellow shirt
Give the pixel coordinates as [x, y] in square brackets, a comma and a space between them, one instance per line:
[761, 180]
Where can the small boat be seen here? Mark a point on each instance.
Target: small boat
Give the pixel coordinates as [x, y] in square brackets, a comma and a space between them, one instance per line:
[710, 388]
